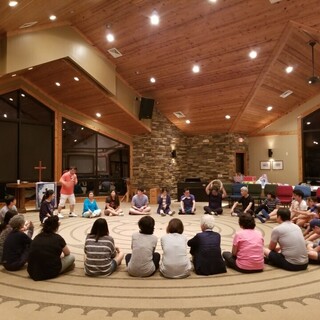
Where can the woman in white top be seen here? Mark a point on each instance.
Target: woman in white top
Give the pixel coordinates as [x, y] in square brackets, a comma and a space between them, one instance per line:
[175, 262]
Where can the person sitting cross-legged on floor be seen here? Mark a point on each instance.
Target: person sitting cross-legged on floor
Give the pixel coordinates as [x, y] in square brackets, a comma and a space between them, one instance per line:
[270, 204]
[90, 207]
[144, 261]
[112, 206]
[247, 249]
[164, 202]
[205, 248]
[187, 203]
[247, 203]
[140, 203]
[216, 196]
[287, 248]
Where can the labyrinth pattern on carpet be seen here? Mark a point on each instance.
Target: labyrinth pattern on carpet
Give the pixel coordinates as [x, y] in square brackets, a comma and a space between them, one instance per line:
[229, 293]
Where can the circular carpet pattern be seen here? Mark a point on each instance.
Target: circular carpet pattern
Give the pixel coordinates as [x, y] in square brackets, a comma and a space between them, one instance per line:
[231, 293]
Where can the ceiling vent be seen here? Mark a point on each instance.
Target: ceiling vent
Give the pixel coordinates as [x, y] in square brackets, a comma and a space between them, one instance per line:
[28, 24]
[274, 1]
[286, 94]
[115, 53]
[179, 114]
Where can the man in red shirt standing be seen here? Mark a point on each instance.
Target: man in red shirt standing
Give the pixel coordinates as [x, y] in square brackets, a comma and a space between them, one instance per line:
[68, 180]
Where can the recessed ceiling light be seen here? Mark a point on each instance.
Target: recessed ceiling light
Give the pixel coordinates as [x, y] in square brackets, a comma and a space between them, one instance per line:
[30, 68]
[308, 123]
[286, 94]
[82, 128]
[152, 80]
[289, 69]
[188, 121]
[11, 99]
[196, 68]
[52, 17]
[75, 140]
[13, 3]
[228, 117]
[213, 1]
[23, 95]
[76, 78]
[13, 75]
[253, 54]
[64, 122]
[5, 115]
[269, 108]
[58, 84]
[110, 37]
[98, 115]
[315, 142]
[154, 19]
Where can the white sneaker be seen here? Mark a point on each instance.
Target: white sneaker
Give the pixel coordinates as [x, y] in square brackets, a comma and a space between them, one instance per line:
[171, 213]
[162, 213]
[234, 214]
[121, 214]
[72, 214]
[60, 215]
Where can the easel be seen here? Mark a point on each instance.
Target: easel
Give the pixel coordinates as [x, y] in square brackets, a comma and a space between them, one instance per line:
[40, 168]
[127, 195]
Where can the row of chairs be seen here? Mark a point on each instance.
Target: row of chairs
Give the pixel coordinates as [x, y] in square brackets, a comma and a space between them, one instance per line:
[283, 192]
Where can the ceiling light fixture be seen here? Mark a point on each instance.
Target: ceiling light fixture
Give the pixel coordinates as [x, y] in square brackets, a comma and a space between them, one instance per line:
[23, 95]
[286, 94]
[269, 108]
[30, 68]
[196, 68]
[228, 117]
[13, 75]
[308, 123]
[110, 35]
[58, 84]
[5, 115]
[52, 17]
[76, 78]
[188, 121]
[213, 1]
[289, 69]
[253, 54]
[154, 19]
[13, 3]
[152, 80]
[98, 115]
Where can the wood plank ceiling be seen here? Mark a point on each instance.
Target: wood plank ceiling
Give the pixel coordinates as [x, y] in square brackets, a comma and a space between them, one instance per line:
[216, 36]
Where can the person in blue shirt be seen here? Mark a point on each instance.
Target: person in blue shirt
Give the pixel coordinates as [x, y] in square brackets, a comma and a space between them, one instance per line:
[90, 207]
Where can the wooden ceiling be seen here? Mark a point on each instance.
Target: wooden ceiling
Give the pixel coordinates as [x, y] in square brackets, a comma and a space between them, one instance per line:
[217, 36]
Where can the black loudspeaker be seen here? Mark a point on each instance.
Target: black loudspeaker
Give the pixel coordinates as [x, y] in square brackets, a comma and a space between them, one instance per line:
[146, 108]
[270, 153]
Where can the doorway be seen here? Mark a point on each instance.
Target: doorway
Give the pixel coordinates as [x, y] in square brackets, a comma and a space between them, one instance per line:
[240, 163]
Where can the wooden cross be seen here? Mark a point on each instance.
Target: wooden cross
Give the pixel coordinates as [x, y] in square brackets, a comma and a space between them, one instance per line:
[40, 168]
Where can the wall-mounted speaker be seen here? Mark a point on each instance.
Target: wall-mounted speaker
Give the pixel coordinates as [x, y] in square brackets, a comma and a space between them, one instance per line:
[270, 153]
[146, 108]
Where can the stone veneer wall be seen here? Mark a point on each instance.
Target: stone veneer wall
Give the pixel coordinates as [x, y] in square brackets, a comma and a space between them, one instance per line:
[205, 156]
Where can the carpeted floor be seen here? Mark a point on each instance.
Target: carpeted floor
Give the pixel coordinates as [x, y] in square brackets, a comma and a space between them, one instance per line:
[275, 293]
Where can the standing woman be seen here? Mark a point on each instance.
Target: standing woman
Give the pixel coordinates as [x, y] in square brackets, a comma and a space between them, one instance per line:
[90, 207]
[49, 254]
[175, 262]
[112, 207]
[101, 256]
[47, 206]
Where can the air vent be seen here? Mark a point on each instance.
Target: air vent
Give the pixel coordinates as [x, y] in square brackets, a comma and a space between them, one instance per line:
[179, 114]
[28, 24]
[115, 53]
[274, 1]
[286, 94]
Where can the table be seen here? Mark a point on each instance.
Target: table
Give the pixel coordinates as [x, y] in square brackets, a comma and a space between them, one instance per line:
[20, 189]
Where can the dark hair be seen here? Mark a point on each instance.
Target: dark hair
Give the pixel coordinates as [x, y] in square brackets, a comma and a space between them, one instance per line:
[47, 194]
[51, 224]
[7, 217]
[186, 189]
[73, 168]
[9, 199]
[116, 197]
[146, 225]
[140, 189]
[284, 214]
[175, 225]
[99, 229]
[164, 189]
[272, 194]
[298, 193]
[246, 221]
[215, 188]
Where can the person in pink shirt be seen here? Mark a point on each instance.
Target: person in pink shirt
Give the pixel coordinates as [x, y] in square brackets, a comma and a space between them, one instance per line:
[68, 180]
[247, 249]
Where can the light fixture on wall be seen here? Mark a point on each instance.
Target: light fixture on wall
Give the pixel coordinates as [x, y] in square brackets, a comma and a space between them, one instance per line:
[270, 153]
[174, 154]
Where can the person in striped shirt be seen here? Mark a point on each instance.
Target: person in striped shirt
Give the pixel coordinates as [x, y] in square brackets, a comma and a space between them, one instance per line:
[102, 257]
